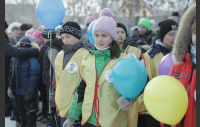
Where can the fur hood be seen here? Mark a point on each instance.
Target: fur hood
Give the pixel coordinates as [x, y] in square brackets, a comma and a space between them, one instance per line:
[183, 37]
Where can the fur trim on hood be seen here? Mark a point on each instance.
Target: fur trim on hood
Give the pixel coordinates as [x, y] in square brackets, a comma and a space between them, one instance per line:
[183, 37]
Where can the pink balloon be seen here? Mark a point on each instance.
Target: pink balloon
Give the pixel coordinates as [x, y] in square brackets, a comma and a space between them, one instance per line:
[166, 65]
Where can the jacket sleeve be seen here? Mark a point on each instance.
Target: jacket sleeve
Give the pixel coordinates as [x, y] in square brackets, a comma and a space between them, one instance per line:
[34, 74]
[76, 106]
[17, 52]
[13, 76]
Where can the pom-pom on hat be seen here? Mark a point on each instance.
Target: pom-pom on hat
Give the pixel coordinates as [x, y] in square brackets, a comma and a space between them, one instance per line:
[30, 32]
[89, 18]
[106, 23]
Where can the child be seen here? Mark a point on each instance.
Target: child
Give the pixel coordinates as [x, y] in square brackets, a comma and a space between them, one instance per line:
[96, 98]
[24, 82]
[90, 18]
[144, 32]
[184, 55]
[66, 67]
[122, 40]
[54, 45]
[153, 57]
[37, 38]
[29, 33]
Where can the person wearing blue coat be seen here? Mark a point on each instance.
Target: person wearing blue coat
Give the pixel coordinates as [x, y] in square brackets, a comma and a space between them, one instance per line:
[11, 51]
[23, 84]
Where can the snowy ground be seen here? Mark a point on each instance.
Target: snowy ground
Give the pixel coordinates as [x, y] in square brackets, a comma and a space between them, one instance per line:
[12, 123]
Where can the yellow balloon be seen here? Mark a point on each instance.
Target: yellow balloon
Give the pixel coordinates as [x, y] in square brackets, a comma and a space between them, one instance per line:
[166, 99]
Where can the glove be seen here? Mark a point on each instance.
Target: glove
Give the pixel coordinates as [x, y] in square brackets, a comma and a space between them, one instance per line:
[69, 122]
[124, 103]
[10, 93]
[28, 96]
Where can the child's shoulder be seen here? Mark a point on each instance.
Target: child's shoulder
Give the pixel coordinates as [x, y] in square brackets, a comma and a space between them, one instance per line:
[34, 63]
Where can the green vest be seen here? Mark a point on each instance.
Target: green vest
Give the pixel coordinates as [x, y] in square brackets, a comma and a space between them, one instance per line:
[66, 80]
[102, 94]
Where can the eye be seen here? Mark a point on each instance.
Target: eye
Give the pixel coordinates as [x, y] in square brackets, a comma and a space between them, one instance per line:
[103, 35]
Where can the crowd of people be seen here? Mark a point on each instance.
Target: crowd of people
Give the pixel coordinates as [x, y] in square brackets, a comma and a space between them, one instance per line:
[70, 76]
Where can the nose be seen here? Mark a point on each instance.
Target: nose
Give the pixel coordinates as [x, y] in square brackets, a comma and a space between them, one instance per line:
[64, 41]
[99, 39]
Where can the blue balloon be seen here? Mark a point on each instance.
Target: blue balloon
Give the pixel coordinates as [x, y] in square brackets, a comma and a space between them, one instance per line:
[129, 77]
[89, 32]
[50, 13]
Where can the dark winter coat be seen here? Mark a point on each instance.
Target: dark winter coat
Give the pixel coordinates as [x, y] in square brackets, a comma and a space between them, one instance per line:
[11, 51]
[55, 44]
[146, 38]
[25, 75]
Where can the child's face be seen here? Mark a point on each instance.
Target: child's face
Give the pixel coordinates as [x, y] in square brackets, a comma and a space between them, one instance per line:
[102, 39]
[168, 39]
[69, 39]
[121, 34]
[142, 30]
[37, 42]
[45, 40]
[194, 38]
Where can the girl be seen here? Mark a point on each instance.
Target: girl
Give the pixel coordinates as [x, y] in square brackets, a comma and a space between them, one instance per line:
[122, 40]
[184, 55]
[96, 98]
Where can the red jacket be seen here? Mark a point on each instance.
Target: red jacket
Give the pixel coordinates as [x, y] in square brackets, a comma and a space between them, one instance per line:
[186, 74]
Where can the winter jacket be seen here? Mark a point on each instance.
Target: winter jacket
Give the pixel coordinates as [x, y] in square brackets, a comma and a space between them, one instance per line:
[146, 38]
[11, 51]
[184, 69]
[47, 76]
[25, 76]
[186, 74]
[41, 86]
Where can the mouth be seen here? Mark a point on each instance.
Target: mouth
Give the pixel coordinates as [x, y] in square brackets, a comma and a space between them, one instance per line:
[67, 44]
[100, 44]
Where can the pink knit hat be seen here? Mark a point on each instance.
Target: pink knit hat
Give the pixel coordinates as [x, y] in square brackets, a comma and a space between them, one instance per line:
[89, 18]
[37, 36]
[30, 32]
[106, 23]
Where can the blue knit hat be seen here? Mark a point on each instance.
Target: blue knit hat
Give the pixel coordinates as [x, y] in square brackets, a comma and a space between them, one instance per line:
[25, 42]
